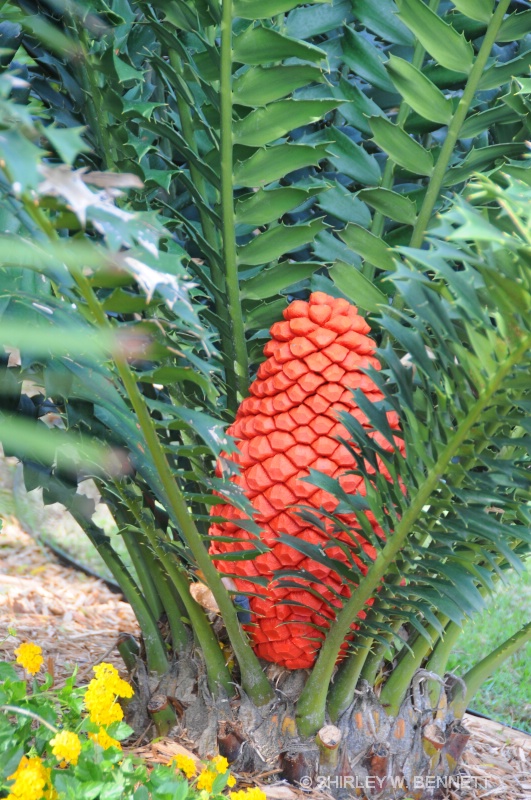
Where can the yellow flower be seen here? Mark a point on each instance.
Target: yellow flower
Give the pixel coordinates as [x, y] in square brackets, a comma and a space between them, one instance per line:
[221, 764]
[101, 704]
[66, 747]
[31, 777]
[104, 740]
[231, 781]
[248, 794]
[102, 692]
[206, 780]
[108, 676]
[185, 764]
[30, 657]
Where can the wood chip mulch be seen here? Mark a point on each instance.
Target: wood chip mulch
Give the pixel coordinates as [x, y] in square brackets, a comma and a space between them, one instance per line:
[73, 617]
[76, 619]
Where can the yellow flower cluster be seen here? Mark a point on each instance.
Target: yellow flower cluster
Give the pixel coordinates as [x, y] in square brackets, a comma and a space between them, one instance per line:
[185, 764]
[221, 764]
[102, 693]
[218, 766]
[30, 657]
[32, 781]
[104, 740]
[66, 747]
[248, 794]
[206, 780]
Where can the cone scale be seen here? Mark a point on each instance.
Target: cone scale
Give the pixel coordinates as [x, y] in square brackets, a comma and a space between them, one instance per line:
[288, 425]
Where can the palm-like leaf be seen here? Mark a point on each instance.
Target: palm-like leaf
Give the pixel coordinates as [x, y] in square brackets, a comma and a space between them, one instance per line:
[461, 390]
[155, 88]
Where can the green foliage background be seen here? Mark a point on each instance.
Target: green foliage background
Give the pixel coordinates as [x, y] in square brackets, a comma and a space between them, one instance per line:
[268, 148]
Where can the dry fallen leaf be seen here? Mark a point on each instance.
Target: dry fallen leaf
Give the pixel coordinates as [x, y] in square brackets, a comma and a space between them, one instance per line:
[204, 597]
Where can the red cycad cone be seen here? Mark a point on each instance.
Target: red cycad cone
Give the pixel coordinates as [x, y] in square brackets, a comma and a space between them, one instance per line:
[288, 425]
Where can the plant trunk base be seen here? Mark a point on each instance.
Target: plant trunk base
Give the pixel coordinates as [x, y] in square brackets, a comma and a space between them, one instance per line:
[379, 757]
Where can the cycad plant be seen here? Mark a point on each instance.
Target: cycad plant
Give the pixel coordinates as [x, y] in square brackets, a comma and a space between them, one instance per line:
[365, 501]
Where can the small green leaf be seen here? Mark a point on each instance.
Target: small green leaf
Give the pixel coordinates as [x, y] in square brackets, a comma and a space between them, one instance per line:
[119, 730]
[345, 206]
[391, 204]
[381, 18]
[162, 177]
[67, 142]
[515, 27]
[328, 248]
[306, 21]
[370, 247]
[484, 120]
[263, 315]
[401, 147]
[265, 9]
[263, 45]
[357, 107]
[21, 158]
[261, 85]
[419, 92]
[480, 10]
[268, 165]
[365, 60]
[125, 71]
[266, 205]
[265, 125]
[480, 158]
[352, 159]
[180, 16]
[168, 376]
[498, 74]
[210, 429]
[141, 109]
[272, 281]
[442, 42]
[357, 287]
[272, 244]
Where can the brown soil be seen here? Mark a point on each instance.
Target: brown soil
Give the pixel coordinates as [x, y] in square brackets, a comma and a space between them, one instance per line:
[73, 617]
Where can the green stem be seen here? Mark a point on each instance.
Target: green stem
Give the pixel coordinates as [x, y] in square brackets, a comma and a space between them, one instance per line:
[374, 660]
[31, 714]
[154, 569]
[145, 576]
[171, 602]
[217, 671]
[155, 649]
[437, 178]
[228, 223]
[361, 664]
[488, 665]
[312, 702]
[342, 692]
[399, 681]
[254, 681]
[442, 651]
